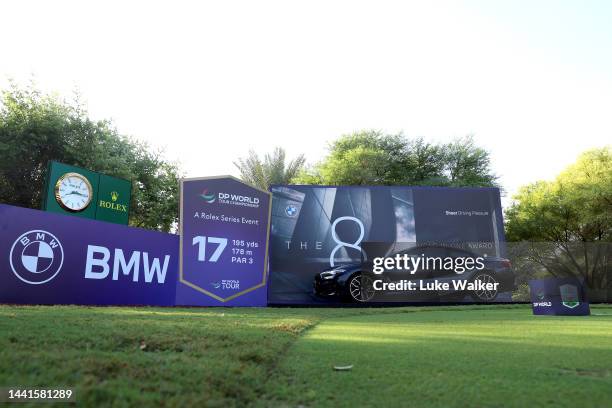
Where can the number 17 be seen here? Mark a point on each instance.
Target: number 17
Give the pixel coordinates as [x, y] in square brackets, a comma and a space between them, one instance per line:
[201, 242]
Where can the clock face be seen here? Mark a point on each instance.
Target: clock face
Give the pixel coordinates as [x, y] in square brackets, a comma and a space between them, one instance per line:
[73, 192]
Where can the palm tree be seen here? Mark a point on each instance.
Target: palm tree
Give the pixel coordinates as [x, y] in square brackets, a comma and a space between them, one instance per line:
[272, 170]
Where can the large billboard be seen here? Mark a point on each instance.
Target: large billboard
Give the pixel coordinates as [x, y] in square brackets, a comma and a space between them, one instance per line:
[324, 244]
[48, 258]
[322, 237]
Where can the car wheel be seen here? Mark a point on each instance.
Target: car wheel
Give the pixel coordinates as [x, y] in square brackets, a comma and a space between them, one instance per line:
[484, 295]
[361, 287]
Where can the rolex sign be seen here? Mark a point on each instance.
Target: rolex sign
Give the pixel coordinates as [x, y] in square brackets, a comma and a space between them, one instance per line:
[113, 203]
[79, 192]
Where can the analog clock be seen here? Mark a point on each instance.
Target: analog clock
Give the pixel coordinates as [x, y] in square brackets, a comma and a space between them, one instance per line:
[73, 192]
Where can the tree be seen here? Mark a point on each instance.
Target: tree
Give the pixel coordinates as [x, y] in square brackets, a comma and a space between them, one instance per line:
[466, 164]
[569, 219]
[36, 128]
[271, 170]
[374, 158]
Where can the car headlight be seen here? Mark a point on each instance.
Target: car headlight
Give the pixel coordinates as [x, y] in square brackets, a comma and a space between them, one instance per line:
[331, 274]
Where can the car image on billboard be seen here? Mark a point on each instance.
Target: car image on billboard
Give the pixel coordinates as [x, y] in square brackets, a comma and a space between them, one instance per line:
[324, 240]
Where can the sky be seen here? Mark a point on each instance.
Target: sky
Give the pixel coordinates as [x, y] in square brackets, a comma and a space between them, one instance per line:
[208, 81]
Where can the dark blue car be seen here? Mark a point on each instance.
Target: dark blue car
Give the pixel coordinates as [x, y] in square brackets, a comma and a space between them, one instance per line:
[355, 282]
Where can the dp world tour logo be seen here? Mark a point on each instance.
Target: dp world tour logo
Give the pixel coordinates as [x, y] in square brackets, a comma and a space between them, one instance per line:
[36, 257]
[208, 197]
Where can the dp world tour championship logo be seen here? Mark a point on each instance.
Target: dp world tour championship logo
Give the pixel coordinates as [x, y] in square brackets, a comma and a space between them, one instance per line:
[36, 257]
[208, 197]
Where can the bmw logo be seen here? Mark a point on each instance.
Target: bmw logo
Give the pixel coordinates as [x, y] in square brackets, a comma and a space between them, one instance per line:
[36, 257]
[291, 211]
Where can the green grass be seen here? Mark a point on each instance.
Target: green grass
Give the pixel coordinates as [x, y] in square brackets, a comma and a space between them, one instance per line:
[437, 357]
[479, 357]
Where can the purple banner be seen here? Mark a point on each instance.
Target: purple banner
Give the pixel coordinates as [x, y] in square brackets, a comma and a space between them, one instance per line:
[224, 243]
[559, 297]
[50, 258]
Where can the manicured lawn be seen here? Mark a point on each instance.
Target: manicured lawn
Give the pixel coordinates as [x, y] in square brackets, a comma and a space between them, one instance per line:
[463, 356]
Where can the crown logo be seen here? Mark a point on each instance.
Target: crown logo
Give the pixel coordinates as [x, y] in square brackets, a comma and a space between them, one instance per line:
[114, 196]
